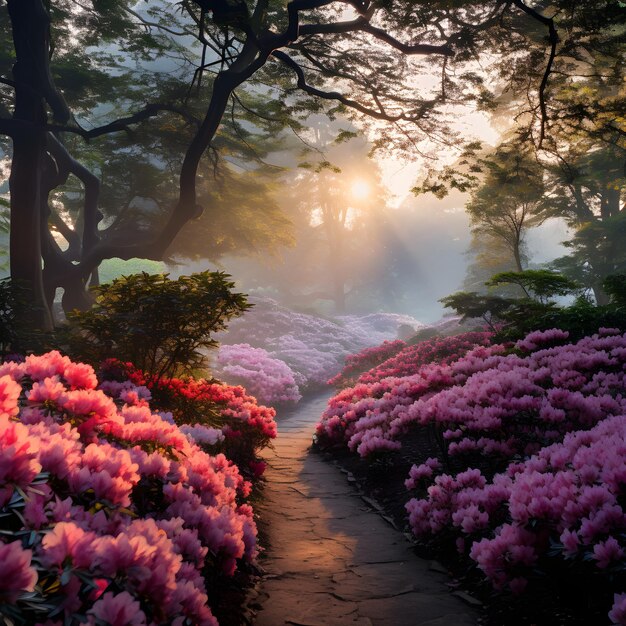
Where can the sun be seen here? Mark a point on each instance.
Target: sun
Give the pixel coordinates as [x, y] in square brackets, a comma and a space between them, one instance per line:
[360, 189]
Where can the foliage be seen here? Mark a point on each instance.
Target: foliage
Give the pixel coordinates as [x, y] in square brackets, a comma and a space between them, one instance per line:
[170, 95]
[541, 285]
[473, 305]
[17, 336]
[596, 251]
[255, 224]
[109, 513]
[509, 200]
[115, 268]
[615, 287]
[160, 325]
[562, 73]
[579, 320]
[517, 315]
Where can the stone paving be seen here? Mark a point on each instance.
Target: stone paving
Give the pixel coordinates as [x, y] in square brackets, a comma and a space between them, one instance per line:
[331, 560]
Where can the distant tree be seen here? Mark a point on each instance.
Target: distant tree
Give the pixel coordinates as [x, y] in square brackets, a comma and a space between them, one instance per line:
[615, 287]
[509, 201]
[471, 305]
[563, 87]
[487, 255]
[540, 285]
[254, 225]
[590, 195]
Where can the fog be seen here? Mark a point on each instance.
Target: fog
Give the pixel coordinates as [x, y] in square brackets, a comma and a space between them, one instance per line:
[430, 239]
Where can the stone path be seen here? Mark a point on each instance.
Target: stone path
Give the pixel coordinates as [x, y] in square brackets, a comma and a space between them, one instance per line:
[331, 560]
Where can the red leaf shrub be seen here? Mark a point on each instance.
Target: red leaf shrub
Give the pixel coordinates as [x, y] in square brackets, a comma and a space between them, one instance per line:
[198, 403]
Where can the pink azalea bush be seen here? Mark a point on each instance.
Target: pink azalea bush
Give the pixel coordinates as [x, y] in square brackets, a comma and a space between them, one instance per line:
[269, 380]
[492, 403]
[366, 359]
[312, 347]
[440, 350]
[361, 416]
[109, 512]
[563, 506]
[531, 474]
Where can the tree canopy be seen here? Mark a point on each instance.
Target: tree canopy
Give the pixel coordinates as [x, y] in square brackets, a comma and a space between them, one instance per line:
[178, 86]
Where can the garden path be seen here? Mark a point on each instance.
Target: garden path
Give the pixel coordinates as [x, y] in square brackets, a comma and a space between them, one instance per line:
[330, 559]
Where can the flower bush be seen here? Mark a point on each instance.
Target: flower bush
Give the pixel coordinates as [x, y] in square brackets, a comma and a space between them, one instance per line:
[207, 410]
[561, 508]
[312, 347]
[530, 480]
[109, 512]
[356, 364]
[489, 405]
[268, 379]
[361, 416]
[440, 350]
[378, 327]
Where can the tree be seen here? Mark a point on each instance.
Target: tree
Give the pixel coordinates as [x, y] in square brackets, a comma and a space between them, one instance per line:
[540, 285]
[539, 288]
[560, 80]
[339, 196]
[310, 47]
[509, 201]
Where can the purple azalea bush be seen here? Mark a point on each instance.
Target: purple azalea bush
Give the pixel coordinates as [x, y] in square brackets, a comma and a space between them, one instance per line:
[532, 467]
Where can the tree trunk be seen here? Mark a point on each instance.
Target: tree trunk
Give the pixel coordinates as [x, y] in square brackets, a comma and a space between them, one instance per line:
[600, 295]
[30, 34]
[517, 256]
[339, 293]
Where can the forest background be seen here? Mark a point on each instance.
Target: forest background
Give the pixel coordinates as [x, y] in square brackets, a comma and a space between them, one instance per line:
[251, 136]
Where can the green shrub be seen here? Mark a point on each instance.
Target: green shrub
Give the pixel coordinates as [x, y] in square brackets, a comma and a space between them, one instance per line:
[538, 285]
[514, 318]
[581, 319]
[615, 287]
[162, 326]
[17, 334]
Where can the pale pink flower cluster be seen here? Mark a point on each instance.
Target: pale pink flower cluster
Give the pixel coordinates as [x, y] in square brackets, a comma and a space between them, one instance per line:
[378, 327]
[268, 379]
[203, 434]
[313, 348]
[117, 504]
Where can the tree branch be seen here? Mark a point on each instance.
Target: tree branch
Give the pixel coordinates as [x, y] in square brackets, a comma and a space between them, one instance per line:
[122, 124]
[553, 38]
[332, 95]
[91, 184]
[362, 24]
